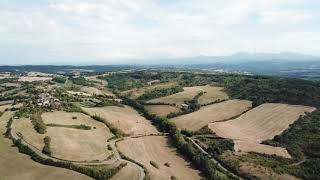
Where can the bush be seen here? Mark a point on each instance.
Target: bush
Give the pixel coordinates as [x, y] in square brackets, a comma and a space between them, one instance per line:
[38, 124]
[59, 79]
[154, 164]
[46, 148]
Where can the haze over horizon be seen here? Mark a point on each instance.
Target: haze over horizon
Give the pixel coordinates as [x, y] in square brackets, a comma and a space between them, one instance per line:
[122, 31]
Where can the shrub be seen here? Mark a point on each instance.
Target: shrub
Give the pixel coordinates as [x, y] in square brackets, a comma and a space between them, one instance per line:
[154, 164]
[38, 123]
[46, 148]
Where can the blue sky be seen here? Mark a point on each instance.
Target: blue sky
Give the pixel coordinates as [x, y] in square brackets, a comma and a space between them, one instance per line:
[104, 31]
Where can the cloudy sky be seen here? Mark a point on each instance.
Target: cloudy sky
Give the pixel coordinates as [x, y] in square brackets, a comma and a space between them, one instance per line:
[84, 31]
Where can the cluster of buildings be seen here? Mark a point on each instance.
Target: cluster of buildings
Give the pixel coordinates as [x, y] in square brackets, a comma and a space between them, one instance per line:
[47, 100]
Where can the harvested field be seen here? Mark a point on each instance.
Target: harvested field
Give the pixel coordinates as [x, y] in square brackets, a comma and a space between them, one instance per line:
[212, 94]
[137, 92]
[77, 144]
[30, 135]
[156, 149]
[31, 79]
[162, 110]
[212, 113]
[124, 118]
[91, 90]
[8, 106]
[128, 172]
[100, 81]
[259, 124]
[16, 166]
[69, 143]
[6, 103]
[11, 85]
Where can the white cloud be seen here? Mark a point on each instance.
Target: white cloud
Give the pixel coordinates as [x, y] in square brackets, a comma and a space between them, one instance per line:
[284, 17]
[103, 29]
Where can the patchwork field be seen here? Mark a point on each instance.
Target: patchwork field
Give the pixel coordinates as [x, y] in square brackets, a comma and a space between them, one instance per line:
[16, 166]
[66, 142]
[212, 94]
[124, 118]
[31, 79]
[212, 113]
[162, 110]
[157, 150]
[137, 92]
[259, 124]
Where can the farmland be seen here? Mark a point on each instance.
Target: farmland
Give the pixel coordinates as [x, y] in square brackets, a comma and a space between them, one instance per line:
[162, 110]
[212, 113]
[156, 149]
[35, 78]
[259, 124]
[12, 162]
[162, 125]
[137, 92]
[69, 143]
[124, 118]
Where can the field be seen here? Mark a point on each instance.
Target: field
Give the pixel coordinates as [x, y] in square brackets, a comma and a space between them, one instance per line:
[94, 78]
[212, 113]
[137, 92]
[259, 124]
[129, 171]
[162, 110]
[124, 118]
[31, 79]
[91, 90]
[16, 166]
[156, 149]
[212, 94]
[69, 143]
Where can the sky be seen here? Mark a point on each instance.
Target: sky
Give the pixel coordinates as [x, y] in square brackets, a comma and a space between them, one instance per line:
[115, 31]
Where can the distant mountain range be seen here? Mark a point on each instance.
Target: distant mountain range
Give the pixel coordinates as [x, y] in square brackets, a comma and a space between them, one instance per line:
[235, 58]
[280, 64]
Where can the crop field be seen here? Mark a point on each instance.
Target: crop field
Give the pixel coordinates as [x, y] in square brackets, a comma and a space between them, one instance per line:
[129, 171]
[91, 90]
[212, 94]
[212, 113]
[31, 79]
[16, 166]
[154, 152]
[137, 92]
[69, 143]
[259, 124]
[124, 118]
[162, 110]
[94, 78]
